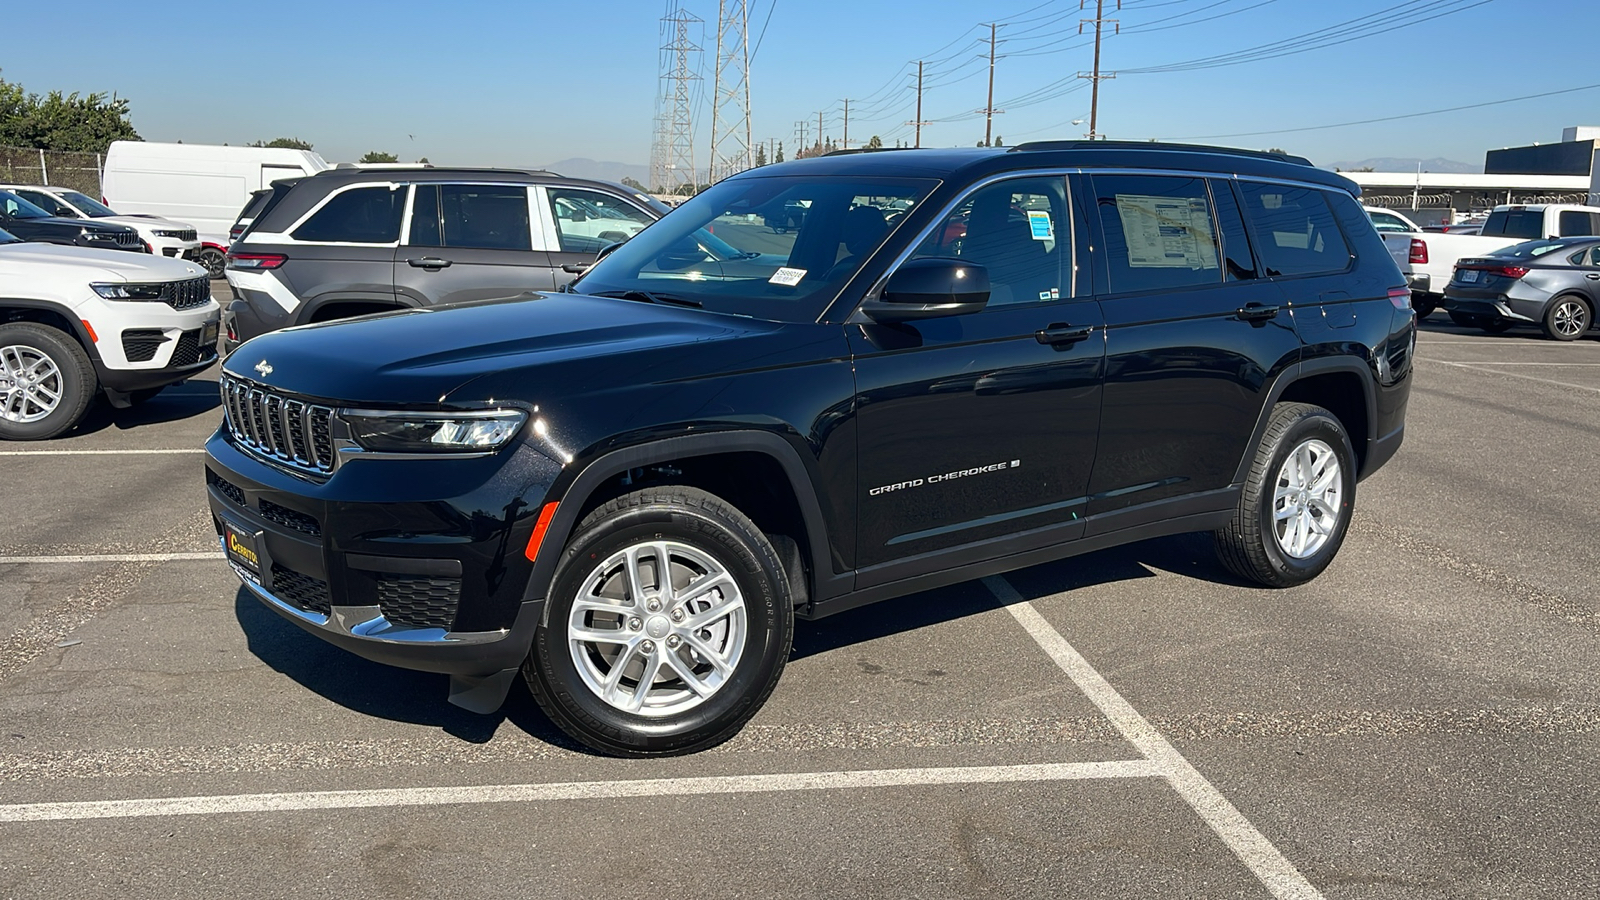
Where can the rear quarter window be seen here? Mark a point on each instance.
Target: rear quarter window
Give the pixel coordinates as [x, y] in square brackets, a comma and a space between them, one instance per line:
[1296, 233]
[363, 215]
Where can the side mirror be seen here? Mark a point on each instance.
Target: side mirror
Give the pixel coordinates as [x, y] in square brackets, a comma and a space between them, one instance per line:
[929, 288]
[579, 215]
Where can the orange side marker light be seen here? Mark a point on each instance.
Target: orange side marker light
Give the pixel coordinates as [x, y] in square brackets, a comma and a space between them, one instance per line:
[545, 515]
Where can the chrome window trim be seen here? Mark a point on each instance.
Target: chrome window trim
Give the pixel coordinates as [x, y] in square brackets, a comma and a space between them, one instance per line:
[876, 291]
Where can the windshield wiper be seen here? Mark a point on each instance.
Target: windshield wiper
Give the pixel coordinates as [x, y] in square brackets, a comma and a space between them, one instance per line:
[651, 297]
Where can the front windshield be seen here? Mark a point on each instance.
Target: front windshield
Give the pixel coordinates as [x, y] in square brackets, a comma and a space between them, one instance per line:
[87, 205]
[772, 247]
[14, 207]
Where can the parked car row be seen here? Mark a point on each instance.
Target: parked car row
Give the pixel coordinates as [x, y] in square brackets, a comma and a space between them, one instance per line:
[1551, 284]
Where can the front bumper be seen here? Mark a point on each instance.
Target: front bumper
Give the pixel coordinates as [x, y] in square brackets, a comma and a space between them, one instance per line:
[393, 560]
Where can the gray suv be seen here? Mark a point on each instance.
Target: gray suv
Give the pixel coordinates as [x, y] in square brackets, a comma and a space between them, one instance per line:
[350, 241]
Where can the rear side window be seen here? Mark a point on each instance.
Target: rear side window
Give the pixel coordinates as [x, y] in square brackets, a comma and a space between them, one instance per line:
[364, 215]
[485, 216]
[425, 217]
[1572, 224]
[1295, 230]
[1159, 232]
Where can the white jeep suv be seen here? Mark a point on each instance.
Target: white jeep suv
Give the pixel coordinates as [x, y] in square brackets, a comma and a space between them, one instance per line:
[76, 322]
[164, 236]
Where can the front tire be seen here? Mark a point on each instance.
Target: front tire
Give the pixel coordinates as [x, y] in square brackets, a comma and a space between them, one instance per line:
[1567, 318]
[1295, 507]
[634, 664]
[46, 382]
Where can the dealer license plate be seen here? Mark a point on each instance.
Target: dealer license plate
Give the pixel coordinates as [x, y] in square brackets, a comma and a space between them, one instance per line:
[208, 335]
[1469, 276]
[243, 552]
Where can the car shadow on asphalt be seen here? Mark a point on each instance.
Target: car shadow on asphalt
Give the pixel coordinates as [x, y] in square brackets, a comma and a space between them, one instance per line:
[172, 405]
[381, 691]
[419, 698]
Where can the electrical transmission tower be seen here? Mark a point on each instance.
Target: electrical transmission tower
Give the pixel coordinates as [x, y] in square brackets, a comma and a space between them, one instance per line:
[731, 147]
[672, 155]
[1100, 22]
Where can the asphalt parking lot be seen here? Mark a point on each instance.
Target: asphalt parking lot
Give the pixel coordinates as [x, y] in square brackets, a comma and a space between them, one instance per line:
[1420, 722]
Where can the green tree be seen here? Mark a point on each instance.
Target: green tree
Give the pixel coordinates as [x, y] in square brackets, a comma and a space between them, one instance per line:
[633, 183]
[778, 156]
[283, 143]
[761, 154]
[424, 162]
[376, 156]
[876, 143]
[60, 121]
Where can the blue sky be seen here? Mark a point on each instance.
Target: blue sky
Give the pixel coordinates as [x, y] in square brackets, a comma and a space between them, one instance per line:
[476, 82]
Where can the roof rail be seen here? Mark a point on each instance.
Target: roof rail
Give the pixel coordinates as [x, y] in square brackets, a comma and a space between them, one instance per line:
[847, 152]
[1158, 145]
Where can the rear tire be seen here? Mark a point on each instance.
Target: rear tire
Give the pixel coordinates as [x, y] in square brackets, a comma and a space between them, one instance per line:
[1567, 318]
[46, 382]
[214, 260]
[1424, 304]
[632, 669]
[1294, 509]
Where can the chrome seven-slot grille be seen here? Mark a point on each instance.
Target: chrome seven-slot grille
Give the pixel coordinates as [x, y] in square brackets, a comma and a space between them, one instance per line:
[280, 428]
[187, 294]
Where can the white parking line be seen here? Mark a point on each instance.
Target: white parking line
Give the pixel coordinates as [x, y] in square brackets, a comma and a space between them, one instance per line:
[1484, 362]
[112, 558]
[573, 790]
[99, 452]
[1478, 368]
[1270, 866]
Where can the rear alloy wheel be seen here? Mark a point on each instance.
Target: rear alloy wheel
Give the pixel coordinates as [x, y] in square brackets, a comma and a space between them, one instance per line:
[46, 382]
[669, 623]
[1567, 318]
[1295, 506]
[214, 260]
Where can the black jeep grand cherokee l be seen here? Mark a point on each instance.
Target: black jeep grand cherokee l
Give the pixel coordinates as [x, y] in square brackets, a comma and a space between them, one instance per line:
[813, 386]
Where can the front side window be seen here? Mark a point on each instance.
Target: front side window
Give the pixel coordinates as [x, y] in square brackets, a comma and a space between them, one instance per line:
[1019, 231]
[14, 207]
[363, 215]
[1295, 229]
[89, 206]
[48, 203]
[769, 246]
[587, 221]
[1159, 232]
[1387, 224]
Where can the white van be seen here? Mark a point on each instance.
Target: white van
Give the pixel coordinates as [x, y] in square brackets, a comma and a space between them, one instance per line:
[201, 184]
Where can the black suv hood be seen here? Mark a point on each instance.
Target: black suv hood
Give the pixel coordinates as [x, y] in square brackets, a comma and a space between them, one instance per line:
[419, 357]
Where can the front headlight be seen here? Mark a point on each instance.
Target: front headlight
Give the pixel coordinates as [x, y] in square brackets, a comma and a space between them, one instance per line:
[463, 432]
[168, 233]
[128, 291]
[98, 236]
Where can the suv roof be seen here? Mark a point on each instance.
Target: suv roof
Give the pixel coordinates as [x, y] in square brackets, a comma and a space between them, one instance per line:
[433, 173]
[973, 162]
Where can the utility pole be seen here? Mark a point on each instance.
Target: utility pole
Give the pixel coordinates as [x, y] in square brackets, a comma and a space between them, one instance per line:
[819, 130]
[846, 144]
[989, 112]
[918, 121]
[1099, 21]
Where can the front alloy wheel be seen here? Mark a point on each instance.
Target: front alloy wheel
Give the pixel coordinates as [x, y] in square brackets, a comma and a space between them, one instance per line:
[46, 382]
[668, 623]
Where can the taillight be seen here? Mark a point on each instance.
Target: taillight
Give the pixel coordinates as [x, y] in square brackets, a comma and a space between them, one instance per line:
[1419, 251]
[1400, 297]
[234, 232]
[255, 261]
[1510, 271]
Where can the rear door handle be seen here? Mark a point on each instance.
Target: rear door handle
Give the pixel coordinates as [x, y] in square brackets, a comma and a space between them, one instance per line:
[1255, 312]
[576, 268]
[1060, 334]
[1593, 276]
[428, 262]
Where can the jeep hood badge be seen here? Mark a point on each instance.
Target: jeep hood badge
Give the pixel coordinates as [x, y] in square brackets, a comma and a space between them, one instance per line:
[263, 368]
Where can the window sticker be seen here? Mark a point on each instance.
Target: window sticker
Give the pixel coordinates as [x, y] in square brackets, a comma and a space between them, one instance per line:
[787, 277]
[1167, 232]
[1040, 226]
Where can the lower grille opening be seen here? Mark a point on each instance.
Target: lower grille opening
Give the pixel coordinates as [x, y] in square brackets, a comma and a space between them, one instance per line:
[287, 517]
[225, 488]
[419, 601]
[141, 344]
[301, 591]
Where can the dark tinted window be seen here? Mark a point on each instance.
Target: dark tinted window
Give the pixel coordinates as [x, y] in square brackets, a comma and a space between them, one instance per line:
[365, 215]
[1516, 223]
[1237, 263]
[1159, 232]
[48, 203]
[1016, 230]
[1295, 230]
[1573, 223]
[425, 217]
[485, 216]
[14, 207]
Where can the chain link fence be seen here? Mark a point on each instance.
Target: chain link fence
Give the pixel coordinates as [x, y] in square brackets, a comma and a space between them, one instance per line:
[63, 168]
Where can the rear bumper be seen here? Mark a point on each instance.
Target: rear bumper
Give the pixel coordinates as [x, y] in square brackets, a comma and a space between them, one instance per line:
[1496, 307]
[1419, 283]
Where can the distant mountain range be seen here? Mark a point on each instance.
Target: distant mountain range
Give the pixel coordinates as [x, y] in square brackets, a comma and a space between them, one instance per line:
[583, 167]
[1409, 164]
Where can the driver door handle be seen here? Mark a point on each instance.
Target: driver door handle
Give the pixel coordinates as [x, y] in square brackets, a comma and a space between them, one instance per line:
[1255, 312]
[428, 262]
[576, 268]
[1061, 334]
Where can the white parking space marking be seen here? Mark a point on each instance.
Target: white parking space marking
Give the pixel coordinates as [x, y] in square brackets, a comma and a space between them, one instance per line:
[1478, 368]
[573, 790]
[99, 452]
[1270, 867]
[1484, 362]
[112, 558]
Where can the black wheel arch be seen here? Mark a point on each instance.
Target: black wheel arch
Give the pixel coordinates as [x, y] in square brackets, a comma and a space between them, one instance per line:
[598, 481]
[309, 310]
[55, 315]
[1326, 383]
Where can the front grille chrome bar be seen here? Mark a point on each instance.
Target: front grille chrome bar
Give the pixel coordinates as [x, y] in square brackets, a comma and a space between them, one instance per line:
[278, 427]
